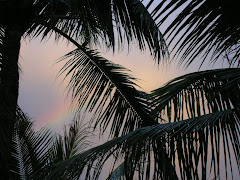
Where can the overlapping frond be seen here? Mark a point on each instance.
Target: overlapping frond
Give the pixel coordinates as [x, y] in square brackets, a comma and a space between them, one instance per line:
[198, 93]
[201, 27]
[30, 150]
[107, 89]
[196, 148]
[111, 22]
[33, 151]
[73, 141]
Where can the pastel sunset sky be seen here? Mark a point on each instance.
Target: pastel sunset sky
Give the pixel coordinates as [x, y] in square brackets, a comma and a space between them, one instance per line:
[42, 95]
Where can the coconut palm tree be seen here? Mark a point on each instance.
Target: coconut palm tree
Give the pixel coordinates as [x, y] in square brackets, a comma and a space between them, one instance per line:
[111, 23]
[187, 129]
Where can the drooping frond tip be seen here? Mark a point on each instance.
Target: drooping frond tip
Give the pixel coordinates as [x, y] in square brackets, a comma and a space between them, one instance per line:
[113, 23]
[105, 88]
[197, 94]
[201, 28]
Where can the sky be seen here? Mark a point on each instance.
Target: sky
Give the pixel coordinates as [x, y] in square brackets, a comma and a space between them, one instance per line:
[42, 95]
[44, 99]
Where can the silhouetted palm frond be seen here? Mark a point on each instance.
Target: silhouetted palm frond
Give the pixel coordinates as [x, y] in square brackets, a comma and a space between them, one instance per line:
[34, 151]
[201, 27]
[193, 146]
[73, 141]
[30, 149]
[1, 43]
[107, 89]
[197, 93]
[112, 22]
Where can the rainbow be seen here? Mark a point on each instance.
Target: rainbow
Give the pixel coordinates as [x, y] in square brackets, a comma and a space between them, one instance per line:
[56, 118]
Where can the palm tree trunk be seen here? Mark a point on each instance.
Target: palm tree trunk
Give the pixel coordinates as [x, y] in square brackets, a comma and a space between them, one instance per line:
[9, 77]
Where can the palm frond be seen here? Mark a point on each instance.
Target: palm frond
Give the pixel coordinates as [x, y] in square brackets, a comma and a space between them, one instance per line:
[73, 141]
[197, 94]
[201, 27]
[30, 149]
[197, 148]
[115, 22]
[104, 87]
[33, 151]
[2, 32]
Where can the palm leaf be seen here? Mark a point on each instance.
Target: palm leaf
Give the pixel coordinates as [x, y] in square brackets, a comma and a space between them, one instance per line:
[104, 87]
[73, 141]
[197, 94]
[30, 149]
[201, 27]
[2, 32]
[193, 146]
[115, 22]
